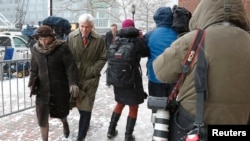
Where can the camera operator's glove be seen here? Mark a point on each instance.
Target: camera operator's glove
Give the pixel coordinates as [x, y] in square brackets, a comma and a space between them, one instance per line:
[74, 90]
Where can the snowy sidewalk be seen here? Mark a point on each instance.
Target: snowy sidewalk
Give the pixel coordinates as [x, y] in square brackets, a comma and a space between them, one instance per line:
[23, 126]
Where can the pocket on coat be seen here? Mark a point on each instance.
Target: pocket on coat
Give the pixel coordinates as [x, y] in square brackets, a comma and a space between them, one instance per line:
[181, 123]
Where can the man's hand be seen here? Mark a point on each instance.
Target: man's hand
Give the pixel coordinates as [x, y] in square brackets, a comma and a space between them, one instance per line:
[74, 90]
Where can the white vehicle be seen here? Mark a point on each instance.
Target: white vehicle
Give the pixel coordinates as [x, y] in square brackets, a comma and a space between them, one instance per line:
[13, 47]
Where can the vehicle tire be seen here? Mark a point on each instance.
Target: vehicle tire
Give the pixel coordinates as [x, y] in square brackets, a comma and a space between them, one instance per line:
[20, 74]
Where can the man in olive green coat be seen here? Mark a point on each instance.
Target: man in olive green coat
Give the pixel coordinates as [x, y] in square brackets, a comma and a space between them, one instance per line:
[90, 57]
[227, 51]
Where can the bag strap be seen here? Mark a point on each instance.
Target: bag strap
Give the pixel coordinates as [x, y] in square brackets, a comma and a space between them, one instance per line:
[188, 62]
[200, 86]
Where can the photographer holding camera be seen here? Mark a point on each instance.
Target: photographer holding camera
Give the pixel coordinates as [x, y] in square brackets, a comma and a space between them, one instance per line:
[163, 18]
[227, 54]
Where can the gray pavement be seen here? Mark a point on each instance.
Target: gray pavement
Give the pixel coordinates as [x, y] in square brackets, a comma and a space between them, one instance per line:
[23, 126]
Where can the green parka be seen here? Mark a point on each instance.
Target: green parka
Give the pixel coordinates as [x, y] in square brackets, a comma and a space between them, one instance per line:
[227, 51]
[90, 60]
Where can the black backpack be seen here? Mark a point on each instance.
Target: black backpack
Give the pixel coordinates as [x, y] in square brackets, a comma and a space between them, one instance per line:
[122, 61]
[181, 17]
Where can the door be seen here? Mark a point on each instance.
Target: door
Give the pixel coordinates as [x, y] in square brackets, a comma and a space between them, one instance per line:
[21, 51]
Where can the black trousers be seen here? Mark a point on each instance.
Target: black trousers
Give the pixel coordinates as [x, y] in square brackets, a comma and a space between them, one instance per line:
[84, 123]
[159, 89]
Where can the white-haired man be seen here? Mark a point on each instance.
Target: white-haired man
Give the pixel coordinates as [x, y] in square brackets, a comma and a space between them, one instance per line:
[89, 51]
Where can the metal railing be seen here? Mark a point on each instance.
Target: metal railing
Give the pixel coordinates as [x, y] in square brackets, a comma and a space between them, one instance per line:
[14, 91]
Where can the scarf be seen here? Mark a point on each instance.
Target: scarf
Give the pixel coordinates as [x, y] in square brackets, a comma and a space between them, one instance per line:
[50, 48]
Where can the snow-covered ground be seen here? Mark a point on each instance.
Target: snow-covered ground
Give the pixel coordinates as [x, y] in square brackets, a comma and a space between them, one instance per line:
[23, 126]
[14, 95]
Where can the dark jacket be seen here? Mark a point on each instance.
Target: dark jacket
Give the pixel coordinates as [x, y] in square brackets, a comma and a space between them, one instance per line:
[109, 39]
[56, 72]
[134, 95]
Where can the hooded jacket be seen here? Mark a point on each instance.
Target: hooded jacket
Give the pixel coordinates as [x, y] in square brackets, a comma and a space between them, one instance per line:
[134, 95]
[163, 18]
[227, 52]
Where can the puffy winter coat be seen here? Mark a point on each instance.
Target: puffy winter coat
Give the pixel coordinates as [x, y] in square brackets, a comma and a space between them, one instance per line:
[134, 95]
[227, 51]
[163, 18]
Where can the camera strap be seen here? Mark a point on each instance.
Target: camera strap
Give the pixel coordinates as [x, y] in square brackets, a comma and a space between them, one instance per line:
[200, 86]
[188, 62]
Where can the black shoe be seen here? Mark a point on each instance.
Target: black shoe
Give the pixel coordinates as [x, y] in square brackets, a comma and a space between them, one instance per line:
[66, 130]
[81, 139]
[130, 138]
[112, 134]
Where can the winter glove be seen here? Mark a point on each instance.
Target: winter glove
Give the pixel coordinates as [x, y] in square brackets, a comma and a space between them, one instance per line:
[74, 90]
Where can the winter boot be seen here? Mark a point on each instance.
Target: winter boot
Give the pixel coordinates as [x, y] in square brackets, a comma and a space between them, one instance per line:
[112, 132]
[65, 127]
[129, 129]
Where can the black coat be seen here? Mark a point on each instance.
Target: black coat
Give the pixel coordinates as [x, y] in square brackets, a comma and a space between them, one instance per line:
[134, 95]
[56, 72]
[109, 39]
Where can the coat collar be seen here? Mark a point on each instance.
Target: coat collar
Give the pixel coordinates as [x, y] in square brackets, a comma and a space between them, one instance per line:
[93, 33]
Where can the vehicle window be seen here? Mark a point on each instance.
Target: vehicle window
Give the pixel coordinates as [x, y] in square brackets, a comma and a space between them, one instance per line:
[18, 42]
[5, 42]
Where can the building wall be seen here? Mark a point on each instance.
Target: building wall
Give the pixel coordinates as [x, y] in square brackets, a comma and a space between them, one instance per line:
[247, 7]
[38, 10]
[191, 5]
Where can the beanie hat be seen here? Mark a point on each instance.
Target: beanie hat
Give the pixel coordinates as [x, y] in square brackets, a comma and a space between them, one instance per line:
[43, 31]
[128, 23]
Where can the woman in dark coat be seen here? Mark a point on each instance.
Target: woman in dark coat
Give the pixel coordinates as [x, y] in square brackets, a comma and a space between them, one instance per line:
[129, 96]
[53, 63]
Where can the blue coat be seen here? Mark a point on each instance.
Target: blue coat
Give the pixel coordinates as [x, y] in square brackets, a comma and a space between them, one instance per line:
[160, 38]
